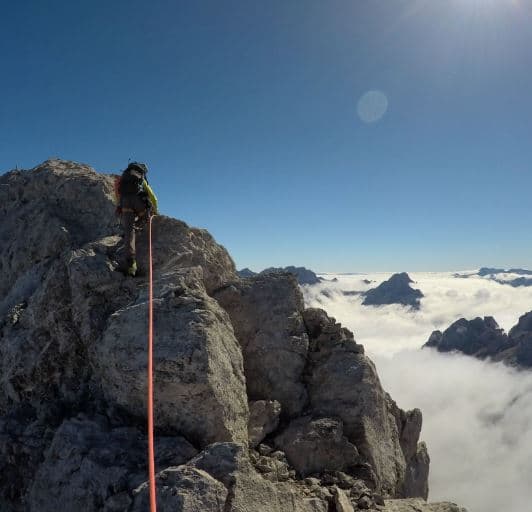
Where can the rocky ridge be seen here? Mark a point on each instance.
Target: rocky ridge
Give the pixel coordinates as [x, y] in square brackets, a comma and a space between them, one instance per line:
[303, 275]
[261, 404]
[503, 276]
[483, 338]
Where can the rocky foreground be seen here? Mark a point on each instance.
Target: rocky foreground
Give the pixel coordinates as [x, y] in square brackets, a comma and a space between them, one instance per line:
[261, 404]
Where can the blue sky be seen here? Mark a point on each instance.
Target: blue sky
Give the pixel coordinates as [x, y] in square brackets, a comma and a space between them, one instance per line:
[246, 113]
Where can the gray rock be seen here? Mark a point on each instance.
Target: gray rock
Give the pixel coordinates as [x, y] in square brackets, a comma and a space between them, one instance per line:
[199, 381]
[88, 463]
[47, 210]
[303, 275]
[176, 245]
[342, 501]
[263, 420]
[396, 290]
[266, 315]
[343, 383]
[23, 439]
[364, 503]
[183, 489]
[479, 337]
[483, 338]
[248, 490]
[314, 446]
[521, 337]
[246, 272]
[419, 505]
[73, 365]
[417, 473]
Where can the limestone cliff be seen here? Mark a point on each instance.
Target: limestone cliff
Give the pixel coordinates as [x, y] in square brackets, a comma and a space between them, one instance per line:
[261, 404]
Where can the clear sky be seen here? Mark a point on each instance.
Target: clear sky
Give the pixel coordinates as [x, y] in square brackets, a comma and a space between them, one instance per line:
[255, 120]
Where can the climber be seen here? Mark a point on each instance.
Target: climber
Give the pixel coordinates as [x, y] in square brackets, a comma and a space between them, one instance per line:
[136, 203]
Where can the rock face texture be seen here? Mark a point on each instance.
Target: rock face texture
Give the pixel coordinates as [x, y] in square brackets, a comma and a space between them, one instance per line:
[483, 338]
[420, 506]
[396, 290]
[260, 404]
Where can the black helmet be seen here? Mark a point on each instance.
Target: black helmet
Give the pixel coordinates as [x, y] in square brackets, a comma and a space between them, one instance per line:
[143, 168]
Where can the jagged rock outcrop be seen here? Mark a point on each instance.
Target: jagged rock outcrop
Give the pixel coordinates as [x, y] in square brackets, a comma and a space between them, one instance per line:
[483, 338]
[89, 465]
[181, 489]
[314, 446]
[343, 383]
[270, 331]
[520, 337]
[302, 274]
[73, 360]
[246, 272]
[396, 290]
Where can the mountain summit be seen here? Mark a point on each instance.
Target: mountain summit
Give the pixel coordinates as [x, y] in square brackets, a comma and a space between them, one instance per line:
[260, 404]
[396, 290]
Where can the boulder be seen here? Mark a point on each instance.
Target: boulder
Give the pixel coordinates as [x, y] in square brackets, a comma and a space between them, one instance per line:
[342, 502]
[183, 489]
[199, 382]
[175, 245]
[266, 313]
[317, 445]
[248, 490]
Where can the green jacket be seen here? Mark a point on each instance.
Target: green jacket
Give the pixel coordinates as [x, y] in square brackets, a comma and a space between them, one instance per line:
[151, 196]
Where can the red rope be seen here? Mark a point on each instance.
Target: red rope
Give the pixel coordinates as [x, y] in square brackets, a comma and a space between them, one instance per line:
[151, 452]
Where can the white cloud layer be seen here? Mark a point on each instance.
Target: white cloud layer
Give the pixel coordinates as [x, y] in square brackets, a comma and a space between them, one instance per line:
[477, 415]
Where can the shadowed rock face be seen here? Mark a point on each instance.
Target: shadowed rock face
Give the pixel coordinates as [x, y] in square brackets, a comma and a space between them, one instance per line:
[396, 290]
[73, 366]
[302, 274]
[483, 338]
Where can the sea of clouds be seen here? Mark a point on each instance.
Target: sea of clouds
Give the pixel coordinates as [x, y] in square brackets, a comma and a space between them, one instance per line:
[477, 414]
